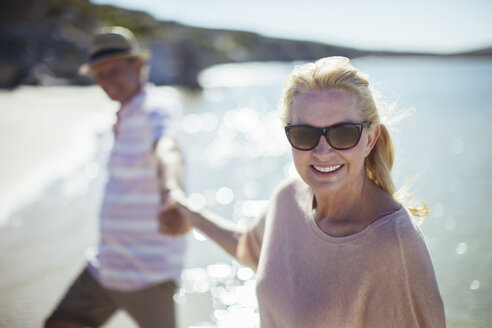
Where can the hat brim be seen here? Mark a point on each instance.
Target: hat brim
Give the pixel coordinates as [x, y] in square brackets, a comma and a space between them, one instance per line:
[86, 68]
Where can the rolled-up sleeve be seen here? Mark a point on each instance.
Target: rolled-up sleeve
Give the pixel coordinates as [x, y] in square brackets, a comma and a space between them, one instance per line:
[161, 123]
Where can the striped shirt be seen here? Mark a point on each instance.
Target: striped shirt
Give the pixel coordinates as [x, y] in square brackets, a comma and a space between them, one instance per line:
[131, 253]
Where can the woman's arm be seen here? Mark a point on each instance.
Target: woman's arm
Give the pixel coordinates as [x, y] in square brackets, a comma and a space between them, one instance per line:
[222, 231]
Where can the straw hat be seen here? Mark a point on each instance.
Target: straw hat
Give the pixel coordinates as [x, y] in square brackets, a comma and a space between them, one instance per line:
[112, 43]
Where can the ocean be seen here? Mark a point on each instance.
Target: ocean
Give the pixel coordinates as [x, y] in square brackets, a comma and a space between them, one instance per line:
[55, 141]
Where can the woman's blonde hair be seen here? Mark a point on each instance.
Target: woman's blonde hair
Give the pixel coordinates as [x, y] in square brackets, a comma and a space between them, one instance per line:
[338, 73]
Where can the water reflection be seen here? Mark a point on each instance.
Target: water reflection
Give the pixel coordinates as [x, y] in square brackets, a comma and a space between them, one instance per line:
[224, 196]
[198, 236]
[241, 132]
[450, 223]
[461, 248]
[251, 189]
[475, 284]
[232, 288]
[437, 210]
[196, 201]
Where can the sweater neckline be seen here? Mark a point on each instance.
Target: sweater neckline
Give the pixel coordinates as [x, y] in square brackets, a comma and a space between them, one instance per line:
[374, 223]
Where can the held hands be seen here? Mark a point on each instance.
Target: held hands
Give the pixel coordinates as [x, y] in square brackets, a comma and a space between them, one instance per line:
[172, 217]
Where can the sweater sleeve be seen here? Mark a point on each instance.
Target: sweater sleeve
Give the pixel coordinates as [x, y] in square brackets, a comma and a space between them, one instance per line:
[249, 245]
[426, 304]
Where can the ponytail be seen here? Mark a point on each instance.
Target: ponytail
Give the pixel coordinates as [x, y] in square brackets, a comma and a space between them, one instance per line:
[378, 169]
[380, 162]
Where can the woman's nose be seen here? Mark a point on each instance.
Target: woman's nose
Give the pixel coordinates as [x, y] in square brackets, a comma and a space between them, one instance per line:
[323, 147]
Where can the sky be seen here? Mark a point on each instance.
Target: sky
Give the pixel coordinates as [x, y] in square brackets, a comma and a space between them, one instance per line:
[438, 26]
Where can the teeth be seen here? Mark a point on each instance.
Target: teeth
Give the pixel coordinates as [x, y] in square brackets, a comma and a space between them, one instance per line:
[326, 169]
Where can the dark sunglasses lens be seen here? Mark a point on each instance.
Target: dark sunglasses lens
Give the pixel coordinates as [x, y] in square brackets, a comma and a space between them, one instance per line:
[344, 136]
[304, 137]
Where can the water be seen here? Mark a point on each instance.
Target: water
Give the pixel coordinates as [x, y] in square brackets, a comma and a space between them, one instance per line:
[54, 143]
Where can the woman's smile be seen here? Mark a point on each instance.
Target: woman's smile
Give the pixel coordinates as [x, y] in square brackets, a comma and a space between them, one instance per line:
[325, 169]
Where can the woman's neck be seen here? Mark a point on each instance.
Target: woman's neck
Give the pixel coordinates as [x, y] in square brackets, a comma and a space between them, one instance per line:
[332, 204]
[349, 211]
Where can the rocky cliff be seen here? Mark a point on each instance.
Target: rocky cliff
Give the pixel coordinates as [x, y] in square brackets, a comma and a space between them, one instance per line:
[45, 41]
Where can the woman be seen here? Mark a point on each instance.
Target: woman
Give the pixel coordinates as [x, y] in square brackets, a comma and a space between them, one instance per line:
[334, 248]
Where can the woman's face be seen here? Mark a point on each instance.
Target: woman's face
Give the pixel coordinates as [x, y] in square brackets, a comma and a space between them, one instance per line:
[326, 169]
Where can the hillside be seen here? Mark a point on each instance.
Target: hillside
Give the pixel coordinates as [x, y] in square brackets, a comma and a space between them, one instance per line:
[43, 42]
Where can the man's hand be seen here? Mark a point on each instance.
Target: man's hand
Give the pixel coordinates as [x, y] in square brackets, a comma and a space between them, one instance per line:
[172, 221]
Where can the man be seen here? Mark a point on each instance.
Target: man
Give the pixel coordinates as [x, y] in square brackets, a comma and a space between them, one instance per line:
[134, 268]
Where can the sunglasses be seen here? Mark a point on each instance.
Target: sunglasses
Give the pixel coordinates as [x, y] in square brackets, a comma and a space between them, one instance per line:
[341, 136]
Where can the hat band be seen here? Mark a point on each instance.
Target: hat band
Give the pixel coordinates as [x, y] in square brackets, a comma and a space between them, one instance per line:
[104, 53]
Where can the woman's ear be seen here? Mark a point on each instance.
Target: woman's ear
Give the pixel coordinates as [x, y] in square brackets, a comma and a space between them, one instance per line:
[372, 138]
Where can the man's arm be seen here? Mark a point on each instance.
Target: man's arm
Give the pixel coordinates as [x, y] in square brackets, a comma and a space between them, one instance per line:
[170, 165]
[170, 170]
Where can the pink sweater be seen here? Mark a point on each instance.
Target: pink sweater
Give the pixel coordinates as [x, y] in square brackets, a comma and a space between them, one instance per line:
[380, 277]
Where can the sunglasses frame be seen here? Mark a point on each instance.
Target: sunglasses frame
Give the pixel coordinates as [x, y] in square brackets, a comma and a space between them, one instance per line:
[324, 132]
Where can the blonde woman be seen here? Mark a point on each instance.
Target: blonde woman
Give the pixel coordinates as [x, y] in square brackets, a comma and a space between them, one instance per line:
[333, 248]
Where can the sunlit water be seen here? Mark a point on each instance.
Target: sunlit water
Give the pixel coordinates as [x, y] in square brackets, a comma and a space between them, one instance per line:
[55, 141]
